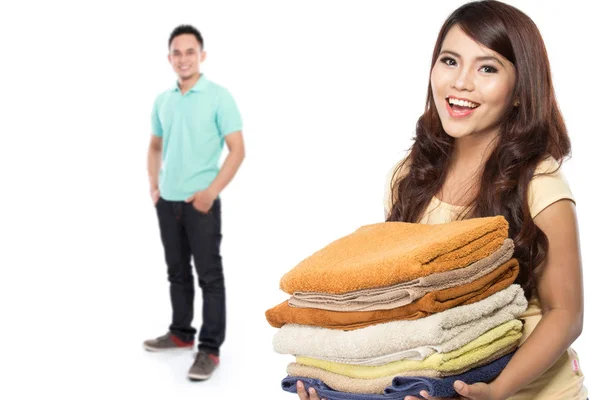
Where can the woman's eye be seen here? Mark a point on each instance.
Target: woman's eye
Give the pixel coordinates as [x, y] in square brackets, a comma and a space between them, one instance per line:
[489, 70]
[448, 61]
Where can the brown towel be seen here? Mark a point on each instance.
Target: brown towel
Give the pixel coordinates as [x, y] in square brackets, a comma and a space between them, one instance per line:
[376, 386]
[431, 303]
[388, 253]
[386, 298]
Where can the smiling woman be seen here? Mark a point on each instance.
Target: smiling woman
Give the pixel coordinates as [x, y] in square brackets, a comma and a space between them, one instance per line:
[491, 142]
[474, 81]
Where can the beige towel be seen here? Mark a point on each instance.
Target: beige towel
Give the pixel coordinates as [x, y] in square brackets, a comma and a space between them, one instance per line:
[416, 354]
[388, 253]
[441, 332]
[386, 298]
[490, 343]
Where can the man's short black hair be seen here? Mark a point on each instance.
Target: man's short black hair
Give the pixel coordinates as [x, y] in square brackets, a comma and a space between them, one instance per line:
[186, 29]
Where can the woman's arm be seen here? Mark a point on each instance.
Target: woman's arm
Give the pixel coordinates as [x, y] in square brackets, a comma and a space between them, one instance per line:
[560, 289]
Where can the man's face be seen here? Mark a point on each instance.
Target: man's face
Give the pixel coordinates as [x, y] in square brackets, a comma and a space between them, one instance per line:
[185, 56]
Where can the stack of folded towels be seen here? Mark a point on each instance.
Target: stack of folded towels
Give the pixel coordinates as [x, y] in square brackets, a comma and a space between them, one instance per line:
[395, 308]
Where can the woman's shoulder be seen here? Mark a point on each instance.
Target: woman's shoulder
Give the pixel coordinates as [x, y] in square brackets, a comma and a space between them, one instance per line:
[547, 186]
[548, 165]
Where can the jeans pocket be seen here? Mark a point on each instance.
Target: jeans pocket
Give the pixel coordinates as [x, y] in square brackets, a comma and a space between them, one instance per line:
[215, 205]
[201, 212]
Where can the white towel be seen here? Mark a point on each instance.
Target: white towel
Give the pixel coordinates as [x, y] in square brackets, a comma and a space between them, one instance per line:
[382, 343]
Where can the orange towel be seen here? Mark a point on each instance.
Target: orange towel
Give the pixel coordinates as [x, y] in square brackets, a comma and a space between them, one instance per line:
[431, 303]
[389, 253]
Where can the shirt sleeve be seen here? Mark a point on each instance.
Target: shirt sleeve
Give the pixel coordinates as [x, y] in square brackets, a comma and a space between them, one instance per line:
[390, 179]
[548, 188]
[155, 119]
[387, 192]
[229, 119]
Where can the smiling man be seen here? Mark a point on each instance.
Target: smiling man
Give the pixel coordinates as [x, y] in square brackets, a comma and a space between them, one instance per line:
[191, 123]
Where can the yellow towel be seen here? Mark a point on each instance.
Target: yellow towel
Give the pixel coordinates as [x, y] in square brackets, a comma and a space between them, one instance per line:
[491, 342]
[389, 253]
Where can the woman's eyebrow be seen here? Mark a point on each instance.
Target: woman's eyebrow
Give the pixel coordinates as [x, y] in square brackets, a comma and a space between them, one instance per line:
[481, 58]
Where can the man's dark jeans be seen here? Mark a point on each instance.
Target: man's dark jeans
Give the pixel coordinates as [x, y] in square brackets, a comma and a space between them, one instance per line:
[185, 233]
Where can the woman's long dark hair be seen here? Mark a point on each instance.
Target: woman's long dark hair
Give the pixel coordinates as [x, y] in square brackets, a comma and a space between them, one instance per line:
[529, 133]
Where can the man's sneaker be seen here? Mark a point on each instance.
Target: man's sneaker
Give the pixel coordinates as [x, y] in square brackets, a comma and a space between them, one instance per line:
[167, 342]
[203, 367]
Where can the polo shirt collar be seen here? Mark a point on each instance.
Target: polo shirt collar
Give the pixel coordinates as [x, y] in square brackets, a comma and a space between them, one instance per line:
[198, 87]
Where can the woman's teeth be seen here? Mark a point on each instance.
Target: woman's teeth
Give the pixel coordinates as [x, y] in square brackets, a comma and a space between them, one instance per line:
[462, 103]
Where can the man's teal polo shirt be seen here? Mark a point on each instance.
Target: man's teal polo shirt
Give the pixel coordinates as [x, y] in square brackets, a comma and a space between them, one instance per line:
[193, 127]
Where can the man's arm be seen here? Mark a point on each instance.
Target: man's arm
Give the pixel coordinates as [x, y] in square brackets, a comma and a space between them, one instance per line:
[154, 161]
[237, 152]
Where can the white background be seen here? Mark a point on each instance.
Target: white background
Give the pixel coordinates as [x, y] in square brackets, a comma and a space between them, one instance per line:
[330, 93]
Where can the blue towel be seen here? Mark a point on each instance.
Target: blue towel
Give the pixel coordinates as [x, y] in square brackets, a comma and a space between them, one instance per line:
[289, 385]
[444, 387]
[403, 386]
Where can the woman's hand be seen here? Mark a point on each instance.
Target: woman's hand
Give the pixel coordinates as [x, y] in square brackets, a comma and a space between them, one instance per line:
[476, 391]
[303, 395]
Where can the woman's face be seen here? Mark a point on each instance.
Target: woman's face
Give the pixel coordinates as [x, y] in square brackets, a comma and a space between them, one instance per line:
[472, 86]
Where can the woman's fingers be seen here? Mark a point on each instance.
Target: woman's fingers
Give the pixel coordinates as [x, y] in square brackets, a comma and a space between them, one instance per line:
[301, 391]
[313, 394]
